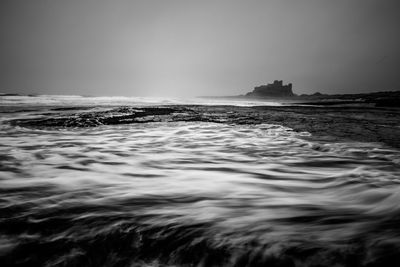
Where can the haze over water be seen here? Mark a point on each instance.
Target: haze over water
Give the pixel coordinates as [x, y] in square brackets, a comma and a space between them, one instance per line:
[119, 179]
[184, 194]
[190, 48]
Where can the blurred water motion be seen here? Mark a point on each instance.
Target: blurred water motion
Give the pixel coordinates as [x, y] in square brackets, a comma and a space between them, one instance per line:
[195, 194]
[68, 100]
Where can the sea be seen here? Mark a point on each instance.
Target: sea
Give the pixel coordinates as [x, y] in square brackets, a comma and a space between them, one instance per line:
[190, 193]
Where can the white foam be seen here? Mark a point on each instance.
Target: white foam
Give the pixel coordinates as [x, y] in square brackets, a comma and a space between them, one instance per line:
[68, 100]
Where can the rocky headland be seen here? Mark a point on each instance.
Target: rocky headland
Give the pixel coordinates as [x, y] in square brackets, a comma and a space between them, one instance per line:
[279, 91]
[276, 89]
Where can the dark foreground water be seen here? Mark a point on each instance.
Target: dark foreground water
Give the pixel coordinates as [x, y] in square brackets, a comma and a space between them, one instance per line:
[195, 194]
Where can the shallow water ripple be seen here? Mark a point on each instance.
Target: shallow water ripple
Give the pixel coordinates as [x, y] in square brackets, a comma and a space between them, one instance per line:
[195, 194]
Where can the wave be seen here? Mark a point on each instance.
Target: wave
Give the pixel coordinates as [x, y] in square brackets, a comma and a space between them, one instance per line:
[195, 194]
[68, 100]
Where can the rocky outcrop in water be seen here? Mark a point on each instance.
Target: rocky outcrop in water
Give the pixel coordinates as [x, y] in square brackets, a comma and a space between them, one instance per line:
[123, 115]
[378, 99]
[339, 123]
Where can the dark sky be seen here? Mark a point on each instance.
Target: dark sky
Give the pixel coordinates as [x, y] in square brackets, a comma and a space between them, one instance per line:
[207, 47]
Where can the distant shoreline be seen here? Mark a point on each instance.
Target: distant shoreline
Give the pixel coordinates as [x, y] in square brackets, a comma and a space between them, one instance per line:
[378, 99]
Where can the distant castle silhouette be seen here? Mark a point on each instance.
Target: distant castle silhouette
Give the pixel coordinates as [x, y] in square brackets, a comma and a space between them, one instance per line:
[276, 89]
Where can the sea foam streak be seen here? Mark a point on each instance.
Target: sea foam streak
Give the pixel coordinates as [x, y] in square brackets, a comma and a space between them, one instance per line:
[64, 100]
[195, 194]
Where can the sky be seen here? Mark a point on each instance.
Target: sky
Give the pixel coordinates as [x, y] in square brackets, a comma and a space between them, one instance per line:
[191, 48]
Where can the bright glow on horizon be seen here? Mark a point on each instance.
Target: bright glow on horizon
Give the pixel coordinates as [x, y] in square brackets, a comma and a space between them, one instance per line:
[192, 48]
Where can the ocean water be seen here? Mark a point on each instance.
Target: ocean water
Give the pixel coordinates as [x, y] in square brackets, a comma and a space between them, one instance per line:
[73, 100]
[193, 194]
